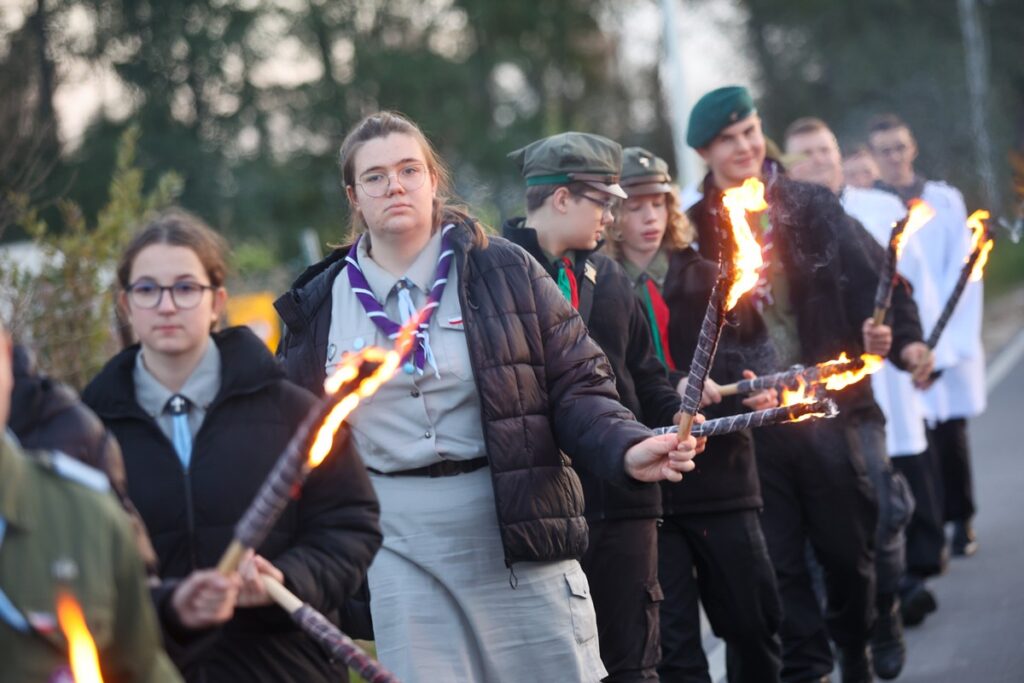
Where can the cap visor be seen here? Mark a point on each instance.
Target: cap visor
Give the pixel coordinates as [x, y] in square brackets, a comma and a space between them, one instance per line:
[614, 189]
[647, 188]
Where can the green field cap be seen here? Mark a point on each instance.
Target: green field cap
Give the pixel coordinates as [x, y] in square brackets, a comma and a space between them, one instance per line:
[572, 157]
[715, 111]
[643, 173]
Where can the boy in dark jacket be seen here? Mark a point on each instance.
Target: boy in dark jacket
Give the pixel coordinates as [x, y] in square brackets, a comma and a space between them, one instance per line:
[572, 184]
[814, 299]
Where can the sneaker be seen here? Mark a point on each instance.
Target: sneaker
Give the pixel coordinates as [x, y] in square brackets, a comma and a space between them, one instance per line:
[888, 649]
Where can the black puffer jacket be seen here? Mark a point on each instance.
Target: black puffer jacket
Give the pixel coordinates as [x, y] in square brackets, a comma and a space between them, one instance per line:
[48, 415]
[616, 321]
[832, 277]
[725, 478]
[323, 542]
[544, 386]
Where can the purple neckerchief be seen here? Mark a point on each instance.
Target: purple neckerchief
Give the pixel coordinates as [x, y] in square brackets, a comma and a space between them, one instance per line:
[374, 310]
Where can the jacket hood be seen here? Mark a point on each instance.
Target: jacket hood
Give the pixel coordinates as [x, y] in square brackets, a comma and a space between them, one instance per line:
[248, 367]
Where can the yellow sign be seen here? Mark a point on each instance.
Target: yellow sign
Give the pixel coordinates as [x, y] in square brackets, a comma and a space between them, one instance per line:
[257, 312]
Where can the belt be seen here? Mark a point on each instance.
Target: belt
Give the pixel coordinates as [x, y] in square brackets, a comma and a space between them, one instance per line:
[445, 468]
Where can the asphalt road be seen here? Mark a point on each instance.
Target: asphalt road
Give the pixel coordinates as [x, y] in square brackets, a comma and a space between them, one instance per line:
[977, 634]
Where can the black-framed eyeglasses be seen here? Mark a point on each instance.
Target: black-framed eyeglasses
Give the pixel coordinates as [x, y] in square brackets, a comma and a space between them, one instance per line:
[377, 183]
[185, 294]
[608, 205]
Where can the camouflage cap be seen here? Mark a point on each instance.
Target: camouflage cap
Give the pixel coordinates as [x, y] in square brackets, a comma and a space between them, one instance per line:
[572, 157]
[716, 111]
[643, 173]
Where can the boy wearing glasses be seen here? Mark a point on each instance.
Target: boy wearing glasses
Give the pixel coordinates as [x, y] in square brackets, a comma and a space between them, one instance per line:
[571, 193]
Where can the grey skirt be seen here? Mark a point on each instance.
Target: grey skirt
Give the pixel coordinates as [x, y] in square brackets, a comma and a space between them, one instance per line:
[442, 600]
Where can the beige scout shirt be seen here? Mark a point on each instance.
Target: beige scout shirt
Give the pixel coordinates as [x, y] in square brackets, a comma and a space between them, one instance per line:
[414, 419]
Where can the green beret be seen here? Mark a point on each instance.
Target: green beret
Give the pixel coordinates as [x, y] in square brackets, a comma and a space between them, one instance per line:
[568, 157]
[715, 111]
[643, 173]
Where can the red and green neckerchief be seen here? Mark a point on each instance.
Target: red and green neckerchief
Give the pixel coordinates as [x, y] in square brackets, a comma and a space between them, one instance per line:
[657, 316]
[567, 282]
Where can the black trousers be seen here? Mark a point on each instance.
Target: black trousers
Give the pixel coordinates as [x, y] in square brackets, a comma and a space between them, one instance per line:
[722, 560]
[621, 564]
[949, 439]
[925, 538]
[815, 487]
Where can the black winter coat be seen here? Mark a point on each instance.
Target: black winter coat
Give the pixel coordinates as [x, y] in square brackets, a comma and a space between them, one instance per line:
[616, 321]
[725, 478]
[832, 277]
[544, 387]
[323, 542]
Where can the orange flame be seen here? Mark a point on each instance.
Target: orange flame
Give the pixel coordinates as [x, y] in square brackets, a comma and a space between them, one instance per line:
[920, 213]
[979, 240]
[85, 662]
[347, 371]
[841, 380]
[792, 397]
[747, 260]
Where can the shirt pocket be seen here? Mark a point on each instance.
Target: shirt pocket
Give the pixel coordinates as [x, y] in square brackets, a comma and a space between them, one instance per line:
[452, 343]
[581, 607]
[339, 349]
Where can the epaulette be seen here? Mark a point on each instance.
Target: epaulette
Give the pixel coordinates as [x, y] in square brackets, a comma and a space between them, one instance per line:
[66, 467]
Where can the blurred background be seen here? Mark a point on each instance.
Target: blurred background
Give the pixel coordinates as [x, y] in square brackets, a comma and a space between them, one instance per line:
[235, 108]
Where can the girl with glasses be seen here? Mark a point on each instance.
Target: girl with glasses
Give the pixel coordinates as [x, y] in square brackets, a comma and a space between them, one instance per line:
[201, 416]
[469, 446]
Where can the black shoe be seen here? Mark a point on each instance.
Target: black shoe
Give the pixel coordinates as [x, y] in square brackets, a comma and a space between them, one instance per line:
[964, 543]
[888, 649]
[916, 602]
[855, 663]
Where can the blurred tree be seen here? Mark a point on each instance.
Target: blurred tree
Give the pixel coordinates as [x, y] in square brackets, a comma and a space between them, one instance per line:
[846, 62]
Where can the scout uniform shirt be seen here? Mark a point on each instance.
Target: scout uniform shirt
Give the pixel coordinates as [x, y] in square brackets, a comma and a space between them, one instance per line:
[61, 529]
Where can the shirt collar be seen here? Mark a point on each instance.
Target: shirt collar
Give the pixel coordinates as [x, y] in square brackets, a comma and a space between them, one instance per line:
[200, 388]
[420, 273]
[15, 499]
[656, 270]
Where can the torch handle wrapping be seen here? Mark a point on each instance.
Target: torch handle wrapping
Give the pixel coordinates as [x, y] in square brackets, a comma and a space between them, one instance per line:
[887, 276]
[338, 645]
[758, 418]
[707, 344]
[954, 298]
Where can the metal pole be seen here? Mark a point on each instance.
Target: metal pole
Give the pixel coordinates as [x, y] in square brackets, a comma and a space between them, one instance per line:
[977, 88]
[675, 85]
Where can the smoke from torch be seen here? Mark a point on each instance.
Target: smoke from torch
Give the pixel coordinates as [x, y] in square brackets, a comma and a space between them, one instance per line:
[85, 662]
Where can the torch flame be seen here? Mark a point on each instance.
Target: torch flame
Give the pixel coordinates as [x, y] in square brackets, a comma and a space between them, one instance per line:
[791, 397]
[841, 380]
[347, 371]
[920, 213]
[979, 240]
[747, 260]
[85, 662]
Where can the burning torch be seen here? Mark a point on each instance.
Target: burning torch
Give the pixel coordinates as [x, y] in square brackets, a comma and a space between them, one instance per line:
[84, 660]
[734, 281]
[835, 374]
[919, 214]
[972, 271]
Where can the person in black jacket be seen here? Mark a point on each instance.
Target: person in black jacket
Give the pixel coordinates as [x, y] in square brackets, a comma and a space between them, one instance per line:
[814, 300]
[710, 543]
[571, 189]
[201, 418]
[469, 446]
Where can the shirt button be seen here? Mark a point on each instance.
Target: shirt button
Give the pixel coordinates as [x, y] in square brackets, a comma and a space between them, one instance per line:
[415, 393]
[427, 435]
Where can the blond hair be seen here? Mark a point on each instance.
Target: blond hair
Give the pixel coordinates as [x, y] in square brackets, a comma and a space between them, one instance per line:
[679, 232]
